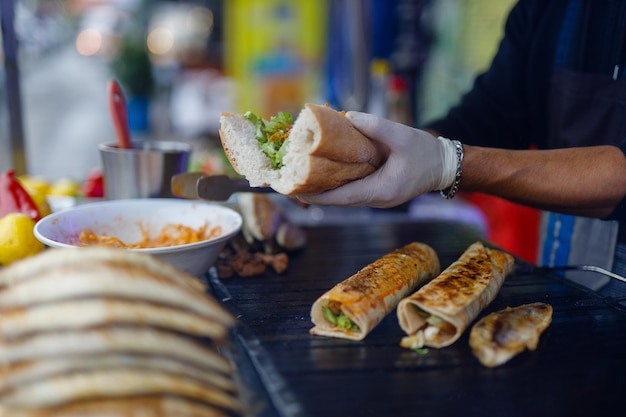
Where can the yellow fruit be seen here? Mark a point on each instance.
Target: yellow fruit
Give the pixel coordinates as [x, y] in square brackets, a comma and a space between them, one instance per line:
[41, 200]
[17, 240]
[37, 188]
[64, 187]
[34, 185]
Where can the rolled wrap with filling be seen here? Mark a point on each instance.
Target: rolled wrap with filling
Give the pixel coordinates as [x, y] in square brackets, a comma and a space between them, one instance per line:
[438, 313]
[352, 308]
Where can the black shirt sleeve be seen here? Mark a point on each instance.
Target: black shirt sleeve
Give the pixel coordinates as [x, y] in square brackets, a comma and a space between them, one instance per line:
[507, 105]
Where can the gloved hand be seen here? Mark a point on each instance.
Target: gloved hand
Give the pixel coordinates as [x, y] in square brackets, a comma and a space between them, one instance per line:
[417, 163]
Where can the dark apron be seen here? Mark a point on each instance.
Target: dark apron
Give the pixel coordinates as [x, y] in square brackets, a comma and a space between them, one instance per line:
[584, 110]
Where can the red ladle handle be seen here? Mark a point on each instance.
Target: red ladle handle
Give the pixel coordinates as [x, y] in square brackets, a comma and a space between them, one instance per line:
[117, 106]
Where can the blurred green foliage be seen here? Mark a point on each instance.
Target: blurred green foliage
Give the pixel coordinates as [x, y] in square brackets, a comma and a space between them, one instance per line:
[132, 67]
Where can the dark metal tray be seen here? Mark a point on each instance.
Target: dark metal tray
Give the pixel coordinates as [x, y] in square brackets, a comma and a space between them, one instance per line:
[579, 367]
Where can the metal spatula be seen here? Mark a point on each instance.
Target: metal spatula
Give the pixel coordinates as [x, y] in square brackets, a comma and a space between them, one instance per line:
[197, 185]
[537, 269]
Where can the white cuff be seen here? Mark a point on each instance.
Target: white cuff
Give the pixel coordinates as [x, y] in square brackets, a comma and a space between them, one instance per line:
[451, 167]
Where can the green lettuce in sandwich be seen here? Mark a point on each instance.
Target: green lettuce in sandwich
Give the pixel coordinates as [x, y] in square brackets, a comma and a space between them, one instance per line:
[272, 135]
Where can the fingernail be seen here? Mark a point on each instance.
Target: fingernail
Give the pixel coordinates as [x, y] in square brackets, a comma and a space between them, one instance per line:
[353, 114]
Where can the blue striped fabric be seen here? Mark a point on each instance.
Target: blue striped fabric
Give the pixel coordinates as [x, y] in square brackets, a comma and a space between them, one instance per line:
[557, 242]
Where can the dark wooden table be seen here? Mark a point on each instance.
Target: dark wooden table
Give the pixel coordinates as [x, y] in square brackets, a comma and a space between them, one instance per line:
[579, 367]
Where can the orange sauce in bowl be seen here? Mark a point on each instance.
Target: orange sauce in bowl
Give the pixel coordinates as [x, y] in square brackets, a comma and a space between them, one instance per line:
[170, 235]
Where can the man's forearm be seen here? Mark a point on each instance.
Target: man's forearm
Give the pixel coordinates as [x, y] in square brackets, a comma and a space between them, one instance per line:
[582, 181]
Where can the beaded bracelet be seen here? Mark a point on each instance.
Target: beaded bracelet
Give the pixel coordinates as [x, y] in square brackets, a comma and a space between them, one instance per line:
[450, 192]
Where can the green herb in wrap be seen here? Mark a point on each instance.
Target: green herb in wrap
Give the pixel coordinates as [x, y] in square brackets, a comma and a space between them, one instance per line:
[272, 135]
[340, 320]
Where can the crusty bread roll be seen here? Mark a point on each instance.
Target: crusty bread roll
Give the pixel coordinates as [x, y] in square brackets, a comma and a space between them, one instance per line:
[323, 152]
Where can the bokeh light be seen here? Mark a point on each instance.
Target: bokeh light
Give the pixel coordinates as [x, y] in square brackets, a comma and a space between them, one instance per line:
[89, 42]
[160, 41]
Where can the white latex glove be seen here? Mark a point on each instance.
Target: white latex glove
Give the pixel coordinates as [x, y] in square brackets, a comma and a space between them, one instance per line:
[417, 163]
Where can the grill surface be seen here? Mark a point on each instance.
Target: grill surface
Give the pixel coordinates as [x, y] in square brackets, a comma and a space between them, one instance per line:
[579, 367]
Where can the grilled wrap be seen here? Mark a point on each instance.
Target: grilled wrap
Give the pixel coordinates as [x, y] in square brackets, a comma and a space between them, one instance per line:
[52, 259]
[437, 314]
[130, 406]
[111, 383]
[352, 308]
[36, 368]
[91, 312]
[66, 280]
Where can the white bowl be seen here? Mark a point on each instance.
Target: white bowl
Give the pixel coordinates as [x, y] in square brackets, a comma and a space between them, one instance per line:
[124, 218]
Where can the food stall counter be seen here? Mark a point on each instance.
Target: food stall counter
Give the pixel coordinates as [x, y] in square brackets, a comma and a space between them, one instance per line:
[578, 368]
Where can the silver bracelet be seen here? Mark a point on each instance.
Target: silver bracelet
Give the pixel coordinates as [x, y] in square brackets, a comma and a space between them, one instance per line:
[450, 192]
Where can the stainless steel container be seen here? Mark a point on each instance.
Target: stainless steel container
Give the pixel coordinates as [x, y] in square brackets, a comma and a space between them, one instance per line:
[144, 171]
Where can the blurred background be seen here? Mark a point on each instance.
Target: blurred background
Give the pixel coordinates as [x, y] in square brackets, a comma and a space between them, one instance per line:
[181, 63]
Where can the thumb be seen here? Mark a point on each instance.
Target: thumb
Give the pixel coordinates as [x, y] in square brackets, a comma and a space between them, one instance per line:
[366, 123]
[378, 128]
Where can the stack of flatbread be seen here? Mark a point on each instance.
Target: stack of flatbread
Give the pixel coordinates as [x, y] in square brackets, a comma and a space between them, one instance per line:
[108, 332]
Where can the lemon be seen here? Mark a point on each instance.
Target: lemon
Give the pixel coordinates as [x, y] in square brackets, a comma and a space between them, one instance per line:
[34, 185]
[41, 201]
[37, 188]
[17, 240]
[64, 187]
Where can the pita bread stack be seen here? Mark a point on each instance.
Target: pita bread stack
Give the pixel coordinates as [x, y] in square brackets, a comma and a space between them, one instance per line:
[111, 333]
